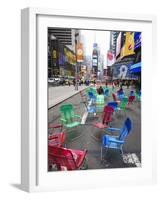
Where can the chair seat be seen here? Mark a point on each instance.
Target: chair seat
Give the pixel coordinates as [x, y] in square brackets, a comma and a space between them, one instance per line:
[112, 142]
[72, 124]
[99, 125]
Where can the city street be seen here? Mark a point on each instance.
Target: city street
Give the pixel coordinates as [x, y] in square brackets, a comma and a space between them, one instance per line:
[88, 137]
[106, 64]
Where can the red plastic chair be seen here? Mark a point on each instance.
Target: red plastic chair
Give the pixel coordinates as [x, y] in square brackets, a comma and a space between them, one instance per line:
[56, 138]
[66, 159]
[131, 100]
[106, 118]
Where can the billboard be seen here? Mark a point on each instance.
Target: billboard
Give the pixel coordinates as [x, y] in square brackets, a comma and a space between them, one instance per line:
[137, 39]
[118, 44]
[79, 52]
[110, 58]
[128, 48]
[122, 71]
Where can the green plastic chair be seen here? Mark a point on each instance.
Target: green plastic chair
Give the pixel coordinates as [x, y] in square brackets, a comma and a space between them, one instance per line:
[68, 118]
[138, 97]
[122, 105]
[100, 102]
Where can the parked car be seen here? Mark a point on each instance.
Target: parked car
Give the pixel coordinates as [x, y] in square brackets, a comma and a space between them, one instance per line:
[51, 80]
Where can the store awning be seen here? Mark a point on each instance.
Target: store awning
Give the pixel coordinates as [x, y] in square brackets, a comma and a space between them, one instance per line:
[136, 68]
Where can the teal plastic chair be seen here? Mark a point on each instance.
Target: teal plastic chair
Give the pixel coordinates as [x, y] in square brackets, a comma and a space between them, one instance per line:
[68, 118]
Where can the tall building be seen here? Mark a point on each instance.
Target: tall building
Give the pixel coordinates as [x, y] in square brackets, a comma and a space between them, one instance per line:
[95, 59]
[113, 41]
[61, 51]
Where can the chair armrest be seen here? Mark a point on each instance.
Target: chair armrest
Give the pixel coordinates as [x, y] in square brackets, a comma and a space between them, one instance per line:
[116, 141]
[62, 119]
[55, 126]
[113, 129]
[78, 116]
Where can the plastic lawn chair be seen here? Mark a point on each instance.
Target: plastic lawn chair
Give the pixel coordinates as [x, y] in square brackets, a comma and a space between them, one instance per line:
[66, 159]
[91, 97]
[131, 100]
[56, 138]
[68, 118]
[132, 93]
[123, 104]
[113, 104]
[112, 142]
[100, 103]
[138, 96]
[106, 118]
[106, 92]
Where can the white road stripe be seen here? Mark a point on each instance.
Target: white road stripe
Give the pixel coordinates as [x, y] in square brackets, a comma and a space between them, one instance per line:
[131, 158]
[84, 118]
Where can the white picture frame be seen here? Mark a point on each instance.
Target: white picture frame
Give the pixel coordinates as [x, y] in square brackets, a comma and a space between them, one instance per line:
[34, 177]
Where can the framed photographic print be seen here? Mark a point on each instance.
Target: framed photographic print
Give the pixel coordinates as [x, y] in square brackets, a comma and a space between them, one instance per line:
[86, 100]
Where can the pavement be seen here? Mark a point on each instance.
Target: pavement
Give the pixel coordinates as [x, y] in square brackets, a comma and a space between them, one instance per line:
[88, 137]
[61, 93]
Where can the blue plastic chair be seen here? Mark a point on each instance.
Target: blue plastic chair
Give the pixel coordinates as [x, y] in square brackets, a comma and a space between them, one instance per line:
[113, 104]
[106, 92]
[91, 97]
[132, 93]
[113, 142]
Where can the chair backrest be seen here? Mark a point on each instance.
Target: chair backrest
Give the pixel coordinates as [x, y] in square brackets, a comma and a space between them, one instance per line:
[107, 114]
[125, 129]
[91, 95]
[113, 104]
[100, 99]
[114, 97]
[106, 91]
[131, 99]
[62, 157]
[67, 112]
[123, 103]
[132, 93]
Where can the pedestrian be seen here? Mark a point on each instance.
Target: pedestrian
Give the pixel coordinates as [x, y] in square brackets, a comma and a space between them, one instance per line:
[100, 90]
[106, 83]
[69, 82]
[94, 82]
[113, 85]
[74, 81]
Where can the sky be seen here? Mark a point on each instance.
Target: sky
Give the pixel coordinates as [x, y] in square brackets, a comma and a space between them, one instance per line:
[102, 38]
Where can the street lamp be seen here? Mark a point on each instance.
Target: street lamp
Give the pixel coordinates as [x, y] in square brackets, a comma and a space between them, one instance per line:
[76, 66]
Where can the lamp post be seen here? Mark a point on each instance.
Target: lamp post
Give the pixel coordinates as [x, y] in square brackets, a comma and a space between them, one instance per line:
[76, 66]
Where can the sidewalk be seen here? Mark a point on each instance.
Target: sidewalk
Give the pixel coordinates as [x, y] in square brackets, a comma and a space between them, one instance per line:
[61, 93]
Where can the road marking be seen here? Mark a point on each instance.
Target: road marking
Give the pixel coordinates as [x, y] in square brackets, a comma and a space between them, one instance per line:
[131, 158]
[84, 118]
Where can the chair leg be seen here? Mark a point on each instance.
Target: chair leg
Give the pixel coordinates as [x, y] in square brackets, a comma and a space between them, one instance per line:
[101, 152]
[122, 153]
